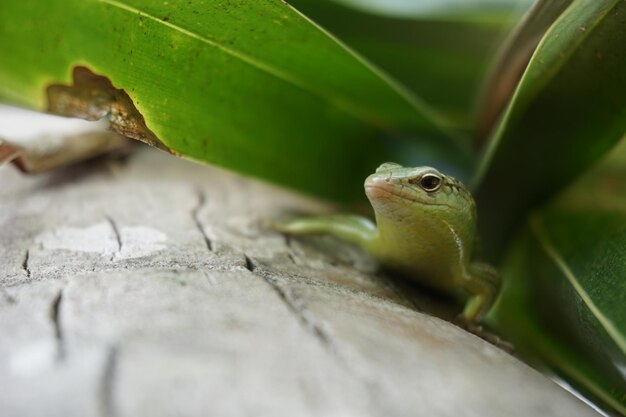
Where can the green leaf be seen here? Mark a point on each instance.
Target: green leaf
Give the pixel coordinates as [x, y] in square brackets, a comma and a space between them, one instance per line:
[256, 88]
[568, 111]
[513, 59]
[564, 299]
[442, 58]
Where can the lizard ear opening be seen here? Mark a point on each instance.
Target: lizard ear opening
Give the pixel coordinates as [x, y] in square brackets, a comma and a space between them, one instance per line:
[387, 166]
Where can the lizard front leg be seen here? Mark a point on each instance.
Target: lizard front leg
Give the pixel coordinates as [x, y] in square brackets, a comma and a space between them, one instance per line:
[351, 228]
[482, 282]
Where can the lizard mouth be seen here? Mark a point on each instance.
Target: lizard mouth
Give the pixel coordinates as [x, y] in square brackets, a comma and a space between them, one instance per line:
[381, 192]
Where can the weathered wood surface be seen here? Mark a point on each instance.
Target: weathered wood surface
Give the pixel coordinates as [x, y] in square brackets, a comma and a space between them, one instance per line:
[149, 287]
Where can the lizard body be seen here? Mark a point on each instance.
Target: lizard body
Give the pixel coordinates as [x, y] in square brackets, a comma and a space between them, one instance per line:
[425, 229]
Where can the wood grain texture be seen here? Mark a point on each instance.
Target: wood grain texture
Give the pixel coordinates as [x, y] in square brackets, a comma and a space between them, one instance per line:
[150, 286]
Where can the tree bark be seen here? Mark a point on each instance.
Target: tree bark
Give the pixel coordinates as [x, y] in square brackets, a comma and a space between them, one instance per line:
[151, 287]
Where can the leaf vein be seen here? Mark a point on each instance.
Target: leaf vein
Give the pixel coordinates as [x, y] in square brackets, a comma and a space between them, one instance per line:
[552, 253]
[343, 103]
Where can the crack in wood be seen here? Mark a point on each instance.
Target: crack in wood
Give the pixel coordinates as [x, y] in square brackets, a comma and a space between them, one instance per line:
[55, 318]
[107, 403]
[250, 266]
[195, 215]
[292, 304]
[118, 236]
[295, 307]
[290, 249]
[25, 263]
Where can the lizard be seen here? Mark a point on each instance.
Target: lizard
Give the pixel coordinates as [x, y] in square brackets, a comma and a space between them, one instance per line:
[425, 229]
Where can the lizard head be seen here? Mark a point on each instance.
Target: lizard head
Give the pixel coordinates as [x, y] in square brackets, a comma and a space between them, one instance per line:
[398, 192]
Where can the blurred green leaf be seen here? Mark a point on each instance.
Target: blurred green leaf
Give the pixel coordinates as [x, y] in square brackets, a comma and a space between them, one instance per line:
[512, 61]
[568, 111]
[443, 58]
[253, 87]
[564, 299]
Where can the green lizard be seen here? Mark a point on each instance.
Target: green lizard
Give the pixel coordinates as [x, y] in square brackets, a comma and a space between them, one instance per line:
[425, 229]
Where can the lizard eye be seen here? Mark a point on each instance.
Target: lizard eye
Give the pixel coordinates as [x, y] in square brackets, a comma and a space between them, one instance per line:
[430, 182]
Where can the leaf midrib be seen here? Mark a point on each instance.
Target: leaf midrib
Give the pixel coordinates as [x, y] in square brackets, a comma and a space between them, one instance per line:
[344, 103]
[562, 59]
[560, 263]
[550, 74]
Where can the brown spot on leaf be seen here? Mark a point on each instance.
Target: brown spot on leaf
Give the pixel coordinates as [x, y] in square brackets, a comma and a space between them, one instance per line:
[93, 97]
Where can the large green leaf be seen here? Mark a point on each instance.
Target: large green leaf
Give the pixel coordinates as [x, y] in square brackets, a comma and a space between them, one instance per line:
[569, 110]
[512, 61]
[253, 86]
[442, 58]
[564, 299]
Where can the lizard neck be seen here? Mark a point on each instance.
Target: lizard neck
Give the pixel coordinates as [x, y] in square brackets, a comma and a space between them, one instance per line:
[426, 237]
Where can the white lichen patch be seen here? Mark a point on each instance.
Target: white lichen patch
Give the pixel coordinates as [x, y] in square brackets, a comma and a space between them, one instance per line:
[33, 358]
[99, 238]
[102, 238]
[139, 241]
